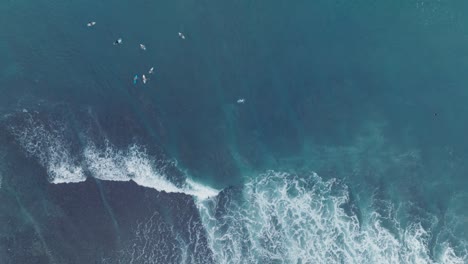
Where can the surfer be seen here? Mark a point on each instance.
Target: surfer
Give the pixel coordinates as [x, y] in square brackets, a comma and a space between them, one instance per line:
[118, 41]
[181, 35]
[241, 101]
[135, 79]
[151, 70]
[144, 79]
[143, 47]
[90, 24]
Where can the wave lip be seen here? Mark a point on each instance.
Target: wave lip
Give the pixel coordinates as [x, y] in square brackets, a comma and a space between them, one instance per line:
[199, 190]
[134, 164]
[49, 146]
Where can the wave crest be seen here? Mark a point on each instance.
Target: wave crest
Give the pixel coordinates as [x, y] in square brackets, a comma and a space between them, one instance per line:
[136, 165]
[48, 144]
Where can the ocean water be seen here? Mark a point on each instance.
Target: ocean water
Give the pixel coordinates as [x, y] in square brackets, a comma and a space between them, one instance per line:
[350, 146]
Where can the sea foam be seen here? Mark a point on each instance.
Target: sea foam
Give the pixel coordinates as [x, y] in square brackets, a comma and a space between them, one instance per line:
[284, 218]
[275, 217]
[136, 165]
[49, 146]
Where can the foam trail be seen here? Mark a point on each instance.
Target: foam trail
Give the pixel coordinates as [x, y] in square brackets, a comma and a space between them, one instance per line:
[2, 156]
[156, 241]
[36, 228]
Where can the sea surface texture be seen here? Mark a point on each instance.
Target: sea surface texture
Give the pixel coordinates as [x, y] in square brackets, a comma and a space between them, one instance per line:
[268, 131]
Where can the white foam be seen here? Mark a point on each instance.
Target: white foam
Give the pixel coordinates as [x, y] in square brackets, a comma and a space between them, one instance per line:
[448, 256]
[65, 173]
[134, 164]
[278, 217]
[105, 165]
[52, 151]
[288, 219]
[199, 190]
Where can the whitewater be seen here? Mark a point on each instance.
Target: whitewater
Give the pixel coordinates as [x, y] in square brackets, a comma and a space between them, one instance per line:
[53, 152]
[274, 217]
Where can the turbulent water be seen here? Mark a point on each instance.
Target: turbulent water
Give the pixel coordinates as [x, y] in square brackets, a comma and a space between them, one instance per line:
[323, 131]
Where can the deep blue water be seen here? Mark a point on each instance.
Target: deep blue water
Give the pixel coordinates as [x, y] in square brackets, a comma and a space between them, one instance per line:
[350, 146]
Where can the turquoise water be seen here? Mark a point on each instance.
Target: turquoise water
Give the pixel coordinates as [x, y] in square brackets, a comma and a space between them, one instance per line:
[350, 146]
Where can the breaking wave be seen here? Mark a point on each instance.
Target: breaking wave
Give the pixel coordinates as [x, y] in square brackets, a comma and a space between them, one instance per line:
[48, 145]
[135, 164]
[283, 218]
[273, 218]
